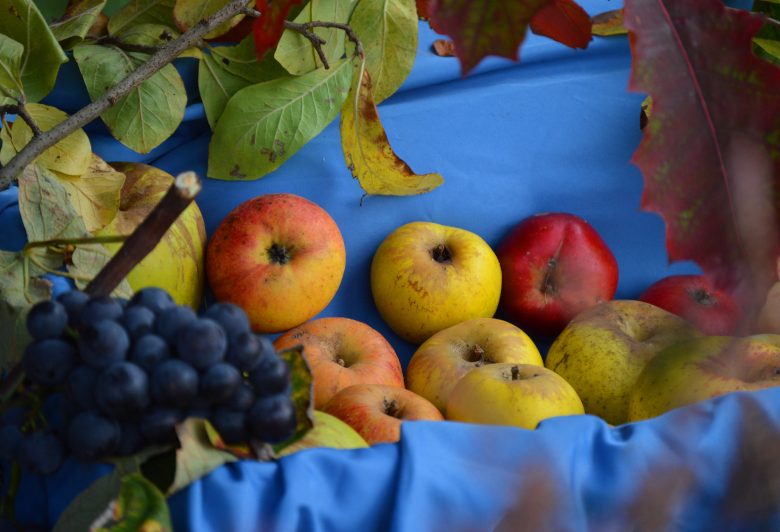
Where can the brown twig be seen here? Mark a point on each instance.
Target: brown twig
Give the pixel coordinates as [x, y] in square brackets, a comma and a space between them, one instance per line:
[306, 30]
[128, 47]
[21, 111]
[164, 56]
[146, 236]
[771, 21]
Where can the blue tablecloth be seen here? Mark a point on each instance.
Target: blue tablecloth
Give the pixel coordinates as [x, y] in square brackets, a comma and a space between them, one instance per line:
[553, 133]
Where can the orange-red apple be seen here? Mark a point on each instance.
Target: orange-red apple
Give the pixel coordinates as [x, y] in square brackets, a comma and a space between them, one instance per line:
[440, 362]
[376, 411]
[280, 257]
[342, 352]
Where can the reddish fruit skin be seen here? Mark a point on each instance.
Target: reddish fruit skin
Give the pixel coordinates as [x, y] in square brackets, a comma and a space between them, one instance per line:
[553, 266]
[693, 298]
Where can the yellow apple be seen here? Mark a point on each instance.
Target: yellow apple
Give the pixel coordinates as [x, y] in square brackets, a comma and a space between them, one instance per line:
[440, 362]
[704, 368]
[602, 351]
[328, 431]
[426, 277]
[520, 395]
[176, 263]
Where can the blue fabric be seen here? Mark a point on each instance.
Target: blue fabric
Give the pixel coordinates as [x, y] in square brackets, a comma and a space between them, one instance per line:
[553, 133]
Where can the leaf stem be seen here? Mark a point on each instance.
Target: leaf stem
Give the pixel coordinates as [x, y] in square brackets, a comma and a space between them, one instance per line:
[306, 30]
[108, 239]
[20, 109]
[164, 56]
[126, 46]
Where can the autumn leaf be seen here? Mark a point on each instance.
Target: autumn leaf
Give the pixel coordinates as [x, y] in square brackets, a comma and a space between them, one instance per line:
[196, 457]
[269, 26]
[710, 155]
[367, 151]
[608, 23]
[479, 28]
[564, 21]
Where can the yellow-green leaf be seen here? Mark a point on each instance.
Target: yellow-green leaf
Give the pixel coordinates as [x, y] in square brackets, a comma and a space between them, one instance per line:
[140, 506]
[148, 114]
[263, 125]
[368, 153]
[187, 13]
[302, 388]
[771, 47]
[21, 21]
[95, 193]
[388, 31]
[79, 17]
[87, 260]
[196, 457]
[7, 150]
[11, 90]
[296, 53]
[138, 12]
[71, 155]
[608, 23]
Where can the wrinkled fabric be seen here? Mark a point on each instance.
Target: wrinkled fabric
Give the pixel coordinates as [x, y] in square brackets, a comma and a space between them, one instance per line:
[553, 133]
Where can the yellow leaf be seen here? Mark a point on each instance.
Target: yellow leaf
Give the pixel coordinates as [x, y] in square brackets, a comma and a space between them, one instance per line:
[95, 194]
[70, 156]
[367, 151]
[609, 23]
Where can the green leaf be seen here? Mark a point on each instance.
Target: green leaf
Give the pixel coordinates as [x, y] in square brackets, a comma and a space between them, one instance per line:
[388, 31]
[771, 49]
[149, 34]
[295, 52]
[11, 90]
[18, 292]
[187, 13]
[90, 504]
[142, 12]
[196, 457]
[71, 155]
[148, 114]
[302, 392]
[226, 70]
[265, 124]
[79, 17]
[21, 21]
[94, 194]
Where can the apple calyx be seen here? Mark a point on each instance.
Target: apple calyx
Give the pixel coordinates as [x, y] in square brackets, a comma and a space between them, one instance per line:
[279, 254]
[702, 297]
[476, 355]
[391, 408]
[441, 254]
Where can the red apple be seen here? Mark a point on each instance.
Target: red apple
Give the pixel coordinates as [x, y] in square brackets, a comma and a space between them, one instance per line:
[694, 298]
[280, 257]
[376, 411]
[553, 267]
[342, 352]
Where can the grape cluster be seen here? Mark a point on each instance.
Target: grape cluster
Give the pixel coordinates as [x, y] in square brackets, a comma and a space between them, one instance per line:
[126, 372]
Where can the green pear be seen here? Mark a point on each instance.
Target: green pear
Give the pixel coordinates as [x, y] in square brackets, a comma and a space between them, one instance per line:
[328, 431]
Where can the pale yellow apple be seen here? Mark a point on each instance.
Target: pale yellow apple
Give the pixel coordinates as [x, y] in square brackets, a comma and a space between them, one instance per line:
[440, 362]
[704, 368]
[602, 351]
[426, 277]
[328, 431]
[176, 264]
[520, 395]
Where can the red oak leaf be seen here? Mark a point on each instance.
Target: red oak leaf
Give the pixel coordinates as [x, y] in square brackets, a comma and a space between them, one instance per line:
[710, 155]
[269, 26]
[483, 27]
[564, 21]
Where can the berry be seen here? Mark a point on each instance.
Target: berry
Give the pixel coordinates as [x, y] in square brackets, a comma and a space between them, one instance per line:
[10, 441]
[174, 383]
[130, 439]
[231, 317]
[92, 436]
[201, 343]
[271, 376]
[81, 386]
[153, 298]
[220, 381]
[242, 399]
[137, 321]
[122, 390]
[73, 300]
[41, 453]
[49, 361]
[103, 343]
[159, 425]
[245, 350]
[47, 319]
[99, 308]
[231, 425]
[171, 320]
[272, 419]
[148, 351]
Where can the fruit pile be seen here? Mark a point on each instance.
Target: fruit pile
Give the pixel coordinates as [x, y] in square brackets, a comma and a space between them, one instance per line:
[123, 373]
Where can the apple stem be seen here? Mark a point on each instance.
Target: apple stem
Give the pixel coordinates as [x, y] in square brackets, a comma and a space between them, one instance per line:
[441, 254]
[475, 354]
[515, 373]
[147, 235]
[548, 287]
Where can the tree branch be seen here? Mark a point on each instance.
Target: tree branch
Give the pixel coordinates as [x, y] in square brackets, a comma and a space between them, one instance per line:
[164, 56]
[21, 110]
[306, 30]
[147, 235]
